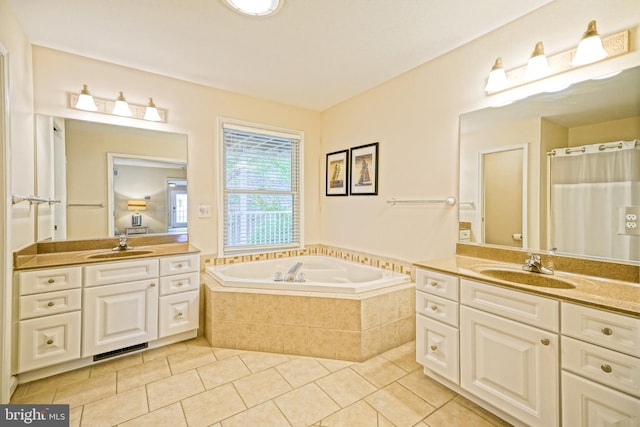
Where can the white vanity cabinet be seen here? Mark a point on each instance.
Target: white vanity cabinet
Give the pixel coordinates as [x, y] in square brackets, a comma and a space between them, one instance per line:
[179, 294]
[120, 305]
[437, 324]
[49, 316]
[600, 367]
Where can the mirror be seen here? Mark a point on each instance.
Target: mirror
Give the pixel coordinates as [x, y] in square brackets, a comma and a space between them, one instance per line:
[590, 114]
[106, 179]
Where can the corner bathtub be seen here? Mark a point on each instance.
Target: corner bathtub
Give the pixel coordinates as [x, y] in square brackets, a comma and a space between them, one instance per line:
[321, 273]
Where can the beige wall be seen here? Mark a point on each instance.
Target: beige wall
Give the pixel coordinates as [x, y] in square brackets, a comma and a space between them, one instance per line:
[192, 110]
[615, 130]
[415, 119]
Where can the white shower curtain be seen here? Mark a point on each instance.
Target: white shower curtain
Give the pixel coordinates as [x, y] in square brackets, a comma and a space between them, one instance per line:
[590, 187]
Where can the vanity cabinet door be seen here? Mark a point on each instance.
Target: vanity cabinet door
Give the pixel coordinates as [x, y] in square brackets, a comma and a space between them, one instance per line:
[511, 366]
[178, 313]
[118, 316]
[437, 348]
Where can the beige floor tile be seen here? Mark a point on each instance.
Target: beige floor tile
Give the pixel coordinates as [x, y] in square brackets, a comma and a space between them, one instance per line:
[383, 422]
[225, 353]
[433, 393]
[38, 398]
[301, 371]
[212, 406]
[306, 405]
[193, 358]
[454, 414]
[85, 391]
[360, 414]
[379, 371]
[164, 351]
[261, 386]
[266, 414]
[399, 405]
[334, 365]
[198, 342]
[52, 383]
[75, 416]
[142, 374]
[257, 361]
[222, 372]
[107, 367]
[169, 390]
[115, 409]
[21, 391]
[403, 356]
[346, 387]
[493, 419]
[171, 415]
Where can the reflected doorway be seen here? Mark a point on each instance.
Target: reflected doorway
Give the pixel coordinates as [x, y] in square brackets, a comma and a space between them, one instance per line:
[177, 205]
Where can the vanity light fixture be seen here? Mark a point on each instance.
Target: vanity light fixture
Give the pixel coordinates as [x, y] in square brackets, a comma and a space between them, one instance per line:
[538, 66]
[85, 100]
[590, 48]
[497, 77]
[255, 7]
[122, 107]
[151, 112]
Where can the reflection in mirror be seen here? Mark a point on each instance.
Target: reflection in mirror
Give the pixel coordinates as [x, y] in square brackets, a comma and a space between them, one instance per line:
[582, 118]
[77, 163]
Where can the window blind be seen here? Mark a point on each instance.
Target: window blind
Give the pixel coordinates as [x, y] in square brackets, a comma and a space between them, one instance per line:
[261, 190]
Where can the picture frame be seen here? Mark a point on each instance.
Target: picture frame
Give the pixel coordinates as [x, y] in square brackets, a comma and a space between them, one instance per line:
[364, 170]
[337, 173]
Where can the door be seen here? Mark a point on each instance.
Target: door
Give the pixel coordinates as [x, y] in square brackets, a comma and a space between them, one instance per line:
[503, 196]
[510, 365]
[177, 200]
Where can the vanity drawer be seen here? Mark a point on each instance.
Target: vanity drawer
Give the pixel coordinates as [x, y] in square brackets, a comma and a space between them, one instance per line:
[119, 272]
[611, 330]
[437, 308]
[179, 264]
[520, 306]
[53, 279]
[614, 369]
[179, 283]
[48, 303]
[438, 284]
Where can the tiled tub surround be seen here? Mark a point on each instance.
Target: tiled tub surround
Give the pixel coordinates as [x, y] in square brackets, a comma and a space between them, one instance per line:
[342, 326]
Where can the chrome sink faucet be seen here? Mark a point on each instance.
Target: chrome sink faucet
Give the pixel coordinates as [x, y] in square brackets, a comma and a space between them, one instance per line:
[534, 265]
[293, 272]
[122, 245]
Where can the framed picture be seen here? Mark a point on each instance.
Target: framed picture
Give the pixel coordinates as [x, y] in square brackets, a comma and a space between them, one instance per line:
[364, 170]
[338, 173]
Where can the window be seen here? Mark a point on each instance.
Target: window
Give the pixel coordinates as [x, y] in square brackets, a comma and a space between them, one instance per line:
[261, 189]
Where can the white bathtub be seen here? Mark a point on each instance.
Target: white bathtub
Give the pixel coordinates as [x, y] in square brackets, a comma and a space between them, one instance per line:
[322, 274]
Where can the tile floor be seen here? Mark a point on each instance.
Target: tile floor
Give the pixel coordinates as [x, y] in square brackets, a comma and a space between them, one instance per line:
[193, 384]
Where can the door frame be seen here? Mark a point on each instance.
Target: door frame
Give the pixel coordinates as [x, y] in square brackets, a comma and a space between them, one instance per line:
[480, 212]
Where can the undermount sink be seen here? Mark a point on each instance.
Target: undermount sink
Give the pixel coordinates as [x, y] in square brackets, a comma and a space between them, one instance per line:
[526, 277]
[119, 254]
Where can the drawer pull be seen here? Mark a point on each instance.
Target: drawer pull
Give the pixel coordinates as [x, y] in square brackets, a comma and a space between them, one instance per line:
[545, 341]
[434, 347]
[606, 369]
[607, 331]
[49, 341]
[180, 284]
[434, 283]
[179, 314]
[179, 265]
[153, 285]
[50, 281]
[51, 304]
[434, 307]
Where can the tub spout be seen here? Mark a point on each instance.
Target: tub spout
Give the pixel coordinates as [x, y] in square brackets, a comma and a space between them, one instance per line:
[293, 272]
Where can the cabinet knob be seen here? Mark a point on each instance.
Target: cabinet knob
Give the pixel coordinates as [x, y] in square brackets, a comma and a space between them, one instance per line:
[179, 265]
[434, 307]
[545, 341]
[434, 283]
[606, 368]
[179, 314]
[153, 285]
[49, 341]
[180, 284]
[50, 281]
[434, 347]
[51, 304]
[607, 331]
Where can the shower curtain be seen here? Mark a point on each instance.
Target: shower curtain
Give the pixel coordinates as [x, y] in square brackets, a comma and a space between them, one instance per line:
[590, 188]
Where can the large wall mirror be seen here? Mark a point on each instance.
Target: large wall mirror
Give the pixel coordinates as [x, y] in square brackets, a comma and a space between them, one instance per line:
[108, 180]
[558, 170]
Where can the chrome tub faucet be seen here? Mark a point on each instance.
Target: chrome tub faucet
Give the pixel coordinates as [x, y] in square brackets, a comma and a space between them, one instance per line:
[293, 272]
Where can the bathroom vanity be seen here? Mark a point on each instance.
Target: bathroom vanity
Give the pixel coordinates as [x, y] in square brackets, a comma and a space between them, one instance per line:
[561, 350]
[75, 308]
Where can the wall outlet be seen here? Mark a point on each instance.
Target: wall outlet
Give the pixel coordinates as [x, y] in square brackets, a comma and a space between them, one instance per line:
[631, 217]
[631, 224]
[628, 222]
[204, 211]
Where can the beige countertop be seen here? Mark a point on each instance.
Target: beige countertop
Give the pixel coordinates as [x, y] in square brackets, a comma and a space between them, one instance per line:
[615, 295]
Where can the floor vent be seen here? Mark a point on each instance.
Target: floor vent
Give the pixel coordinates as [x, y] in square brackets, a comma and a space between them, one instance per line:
[120, 351]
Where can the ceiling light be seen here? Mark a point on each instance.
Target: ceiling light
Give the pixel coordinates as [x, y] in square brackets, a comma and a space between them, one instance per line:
[151, 112]
[590, 48]
[537, 67]
[255, 7]
[85, 100]
[497, 77]
[121, 107]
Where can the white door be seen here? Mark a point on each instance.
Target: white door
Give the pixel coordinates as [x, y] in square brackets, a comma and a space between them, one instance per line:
[510, 365]
[118, 316]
